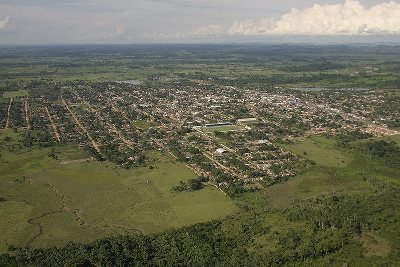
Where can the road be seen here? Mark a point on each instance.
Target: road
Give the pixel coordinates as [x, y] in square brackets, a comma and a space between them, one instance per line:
[27, 113]
[78, 123]
[8, 113]
[56, 134]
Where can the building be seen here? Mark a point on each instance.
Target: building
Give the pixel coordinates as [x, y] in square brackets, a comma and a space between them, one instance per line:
[221, 151]
[247, 120]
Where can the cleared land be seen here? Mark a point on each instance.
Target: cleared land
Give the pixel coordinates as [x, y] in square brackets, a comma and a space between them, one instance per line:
[321, 150]
[13, 94]
[49, 203]
[374, 245]
[336, 172]
[225, 128]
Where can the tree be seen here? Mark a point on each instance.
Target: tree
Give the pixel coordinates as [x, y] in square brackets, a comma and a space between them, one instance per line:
[194, 184]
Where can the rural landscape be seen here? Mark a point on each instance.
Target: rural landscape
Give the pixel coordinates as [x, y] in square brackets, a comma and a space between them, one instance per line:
[200, 155]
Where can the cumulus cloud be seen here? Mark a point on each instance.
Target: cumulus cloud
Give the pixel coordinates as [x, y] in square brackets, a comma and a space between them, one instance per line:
[348, 18]
[4, 23]
[210, 30]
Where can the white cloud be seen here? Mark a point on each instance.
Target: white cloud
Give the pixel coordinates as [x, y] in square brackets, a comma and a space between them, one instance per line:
[120, 29]
[4, 23]
[210, 30]
[349, 18]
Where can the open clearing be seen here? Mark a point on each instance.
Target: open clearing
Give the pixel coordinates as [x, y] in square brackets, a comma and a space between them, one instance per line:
[321, 150]
[337, 171]
[225, 128]
[48, 203]
[374, 245]
[13, 94]
[394, 138]
[142, 124]
[315, 182]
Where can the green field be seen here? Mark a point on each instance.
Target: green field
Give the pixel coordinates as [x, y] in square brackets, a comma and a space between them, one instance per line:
[89, 200]
[321, 150]
[394, 138]
[336, 171]
[142, 124]
[13, 94]
[225, 128]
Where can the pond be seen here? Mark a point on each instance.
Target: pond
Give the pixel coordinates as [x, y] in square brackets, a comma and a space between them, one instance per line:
[132, 82]
[319, 89]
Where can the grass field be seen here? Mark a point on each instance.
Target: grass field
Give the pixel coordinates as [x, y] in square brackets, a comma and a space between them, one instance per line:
[395, 138]
[13, 94]
[337, 171]
[70, 153]
[374, 245]
[89, 200]
[225, 128]
[321, 150]
[142, 124]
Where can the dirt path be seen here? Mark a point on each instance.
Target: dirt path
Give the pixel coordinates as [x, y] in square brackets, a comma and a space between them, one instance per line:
[209, 156]
[56, 134]
[121, 137]
[8, 113]
[78, 123]
[110, 125]
[27, 113]
[115, 109]
[130, 144]
[66, 162]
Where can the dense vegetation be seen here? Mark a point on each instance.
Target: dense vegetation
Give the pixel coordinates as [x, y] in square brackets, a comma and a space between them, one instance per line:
[389, 152]
[191, 185]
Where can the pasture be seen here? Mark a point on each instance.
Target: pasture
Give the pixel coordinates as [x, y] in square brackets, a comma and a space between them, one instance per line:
[47, 203]
[336, 171]
[394, 138]
[321, 150]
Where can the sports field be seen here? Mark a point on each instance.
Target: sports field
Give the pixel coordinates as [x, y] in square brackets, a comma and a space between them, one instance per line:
[49, 202]
[224, 128]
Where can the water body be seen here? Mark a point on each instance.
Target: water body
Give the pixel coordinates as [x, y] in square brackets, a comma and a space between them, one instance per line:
[319, 89]
[132, 82]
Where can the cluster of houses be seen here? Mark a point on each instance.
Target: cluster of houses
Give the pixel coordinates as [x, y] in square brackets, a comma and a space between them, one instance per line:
[236, 131]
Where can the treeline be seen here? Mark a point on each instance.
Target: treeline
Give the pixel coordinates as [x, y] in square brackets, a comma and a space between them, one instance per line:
[314, 66]
[191, 185]
[344, 139]
[389, 152]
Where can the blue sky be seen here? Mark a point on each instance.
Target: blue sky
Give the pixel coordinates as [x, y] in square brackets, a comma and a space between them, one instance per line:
[133, 21]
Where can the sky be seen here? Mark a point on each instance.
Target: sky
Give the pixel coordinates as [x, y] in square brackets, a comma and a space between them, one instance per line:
[179, 21]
